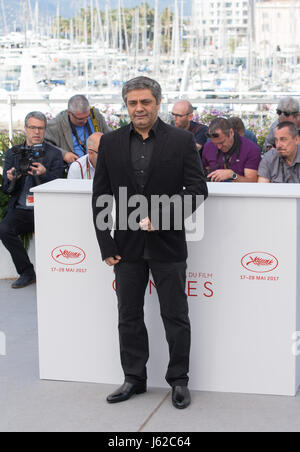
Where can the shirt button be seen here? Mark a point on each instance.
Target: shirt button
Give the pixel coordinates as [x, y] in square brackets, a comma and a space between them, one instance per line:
[142, 157]
[142, 172]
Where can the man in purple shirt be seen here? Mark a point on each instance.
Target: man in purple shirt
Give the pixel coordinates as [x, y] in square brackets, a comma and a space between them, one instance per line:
[229, 157]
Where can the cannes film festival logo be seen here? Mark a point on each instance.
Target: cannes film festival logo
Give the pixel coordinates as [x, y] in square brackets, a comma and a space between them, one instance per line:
[167, 213]
[68, 255]
[259, 262]
[2, 344]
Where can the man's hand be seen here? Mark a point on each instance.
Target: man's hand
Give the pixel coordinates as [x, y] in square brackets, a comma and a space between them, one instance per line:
[10, 174]
[146, 225]
[220, 175]
[70, 157]
[38, 169]
[112, 261]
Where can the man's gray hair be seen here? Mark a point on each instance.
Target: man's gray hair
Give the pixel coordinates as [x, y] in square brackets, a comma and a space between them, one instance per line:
[293, 131]
[289, 105]
[220, 124]
[36, 115]
[142, 83]
[78, 103]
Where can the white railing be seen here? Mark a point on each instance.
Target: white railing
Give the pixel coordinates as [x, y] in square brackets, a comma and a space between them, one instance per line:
[233, 100]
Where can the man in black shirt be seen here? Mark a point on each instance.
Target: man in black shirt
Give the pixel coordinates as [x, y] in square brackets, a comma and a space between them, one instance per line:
[19, 218]
[148, 158]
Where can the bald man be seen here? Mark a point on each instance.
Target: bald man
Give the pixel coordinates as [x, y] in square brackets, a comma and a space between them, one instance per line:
[183, 113]
[84, 167]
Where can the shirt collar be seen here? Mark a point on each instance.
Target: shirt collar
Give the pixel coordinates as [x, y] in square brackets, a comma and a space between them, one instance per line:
[154, 128]
[297, 159]
[298, 155]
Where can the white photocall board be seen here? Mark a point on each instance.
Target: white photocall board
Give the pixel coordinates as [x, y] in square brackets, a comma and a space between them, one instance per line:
[242, 284]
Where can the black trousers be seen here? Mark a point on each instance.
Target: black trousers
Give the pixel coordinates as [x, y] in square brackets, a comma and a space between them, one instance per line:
[131, 283]
[16, 222]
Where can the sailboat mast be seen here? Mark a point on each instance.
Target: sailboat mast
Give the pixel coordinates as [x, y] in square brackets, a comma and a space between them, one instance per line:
[4, 16]
[125, 28]
[107, 23]
[92, 22]
[156, 42]
[101, 33]
[26, 23]
[120, 27]
[145, 47]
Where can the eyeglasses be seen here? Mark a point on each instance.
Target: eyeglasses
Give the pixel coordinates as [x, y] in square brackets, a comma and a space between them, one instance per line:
[92, 150]
[286, 113]
[212, 135]
[80, 119]
[40, 129]
[175, 115]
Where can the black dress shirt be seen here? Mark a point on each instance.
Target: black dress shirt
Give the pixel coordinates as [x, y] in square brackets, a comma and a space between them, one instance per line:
[141, 154]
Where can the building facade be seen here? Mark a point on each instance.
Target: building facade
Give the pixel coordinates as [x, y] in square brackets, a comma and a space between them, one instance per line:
[277, 24]
[219, 22]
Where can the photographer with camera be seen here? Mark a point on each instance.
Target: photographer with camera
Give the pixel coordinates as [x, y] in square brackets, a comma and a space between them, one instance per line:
[72, 127]
[33, 163]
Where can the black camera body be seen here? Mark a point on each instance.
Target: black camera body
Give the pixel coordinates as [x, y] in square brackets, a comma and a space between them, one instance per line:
[29, 155]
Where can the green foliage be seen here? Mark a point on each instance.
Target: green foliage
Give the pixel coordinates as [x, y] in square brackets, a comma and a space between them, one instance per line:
[5, 144]
[113, 119]
[208, 115]
[260, 127]
[3, 201]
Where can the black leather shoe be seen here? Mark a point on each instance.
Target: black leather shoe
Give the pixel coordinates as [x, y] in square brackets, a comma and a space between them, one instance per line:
[25, 280]
[181, 397]
[126, 391]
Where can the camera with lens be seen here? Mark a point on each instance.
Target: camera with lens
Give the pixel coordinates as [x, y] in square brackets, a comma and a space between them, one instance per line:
[28, 156]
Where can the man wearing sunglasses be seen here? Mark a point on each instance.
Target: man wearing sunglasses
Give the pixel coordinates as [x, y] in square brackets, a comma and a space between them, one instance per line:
[183, 113]
[71, 128]
[84, 167]
[229, 157]
[288, 111]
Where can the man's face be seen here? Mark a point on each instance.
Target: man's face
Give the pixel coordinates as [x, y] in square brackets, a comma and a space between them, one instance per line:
[181, 117]
[79, 119]
[286, 145]
[222, 141]
[93, 156]
[142, 108]
[35, 131]
[93, 148]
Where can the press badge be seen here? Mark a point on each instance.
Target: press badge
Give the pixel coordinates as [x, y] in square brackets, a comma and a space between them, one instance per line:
[30, 200]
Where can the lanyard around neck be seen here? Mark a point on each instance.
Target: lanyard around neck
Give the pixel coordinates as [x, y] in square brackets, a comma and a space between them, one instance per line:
[87, 127]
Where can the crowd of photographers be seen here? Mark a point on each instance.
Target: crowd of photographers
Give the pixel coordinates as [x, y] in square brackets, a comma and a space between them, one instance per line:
[70, 144]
